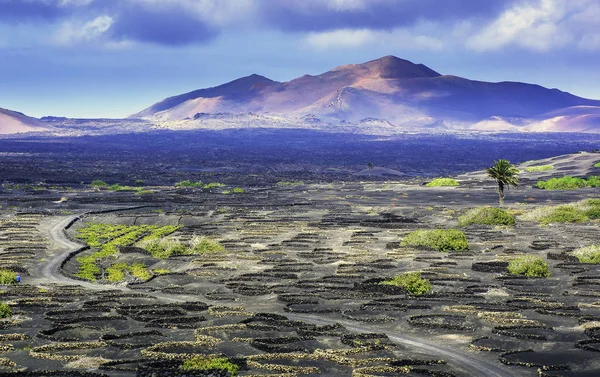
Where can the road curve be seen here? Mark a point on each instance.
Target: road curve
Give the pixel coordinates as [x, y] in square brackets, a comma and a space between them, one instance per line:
[51, 271]
[464, 360]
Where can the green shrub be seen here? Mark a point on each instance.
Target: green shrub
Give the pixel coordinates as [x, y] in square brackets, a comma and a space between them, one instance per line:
[8, 277]
[98, 183]
[116, 272]
[412, 282]
[200, 363]
[529, 265]
[589, 254]
[564, 183]
[162, 248]
[564, 214]
[202, 245]
[439, 239]
[213, 185]
[593, 181]
[486, 216]
[238, 190]
[118, 187]
[539, 168]
[597, 164]
[439, 182]
[5, 311]
[188, 183]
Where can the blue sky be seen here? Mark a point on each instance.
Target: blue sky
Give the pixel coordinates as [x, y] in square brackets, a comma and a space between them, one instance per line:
[111, 58]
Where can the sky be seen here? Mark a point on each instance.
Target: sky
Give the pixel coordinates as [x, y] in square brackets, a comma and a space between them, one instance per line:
[112, 58]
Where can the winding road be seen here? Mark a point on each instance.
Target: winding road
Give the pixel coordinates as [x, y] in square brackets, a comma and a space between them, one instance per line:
[462, 360]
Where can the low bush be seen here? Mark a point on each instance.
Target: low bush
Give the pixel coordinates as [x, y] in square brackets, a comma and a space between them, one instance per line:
[238, 190]
[98, 183]
[5, 311]
[529, 265]
[589, 254]
[412, 282]
[188, 183]
[8, 277]
[439, 239]
[200, 363]
[597, 164]
[440, 182]
[539, 168]
[486, 216]
[564, 183]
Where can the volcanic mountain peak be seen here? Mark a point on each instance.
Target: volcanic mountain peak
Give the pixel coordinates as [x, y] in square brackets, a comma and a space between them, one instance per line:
[389, 67]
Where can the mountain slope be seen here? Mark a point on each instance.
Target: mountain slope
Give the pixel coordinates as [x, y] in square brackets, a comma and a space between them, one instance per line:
[12, 122]
[387, 88]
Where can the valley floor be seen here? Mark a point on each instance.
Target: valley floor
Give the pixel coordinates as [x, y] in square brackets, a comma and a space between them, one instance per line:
[296, 291]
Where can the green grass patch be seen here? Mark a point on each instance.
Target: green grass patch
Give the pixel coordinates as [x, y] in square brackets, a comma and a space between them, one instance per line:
[203, 363]
[117, 272]
[438, 239]
[539, 168]
[589, 254]
[597, 164]
[108, 238]
[529, 265]
[238, 190]
[5, 311]
[8, 277]
[412, 282]
[487, 216]
[441, 182]
[568, 183]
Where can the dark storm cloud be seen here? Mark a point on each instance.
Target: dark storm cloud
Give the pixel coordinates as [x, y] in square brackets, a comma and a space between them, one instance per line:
[15, 11]
[312, 15]
[170, 22]
[166, 26]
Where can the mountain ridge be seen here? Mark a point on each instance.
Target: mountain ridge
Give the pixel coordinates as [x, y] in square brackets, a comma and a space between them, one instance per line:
[388, 88]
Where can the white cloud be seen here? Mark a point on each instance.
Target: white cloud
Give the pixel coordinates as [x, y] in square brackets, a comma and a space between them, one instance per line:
[354, 38]
[345, 5]
[541, 25]
[77, 3]
[71, 33]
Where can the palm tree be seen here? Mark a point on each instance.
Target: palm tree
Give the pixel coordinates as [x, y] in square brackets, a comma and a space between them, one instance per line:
[505, 174]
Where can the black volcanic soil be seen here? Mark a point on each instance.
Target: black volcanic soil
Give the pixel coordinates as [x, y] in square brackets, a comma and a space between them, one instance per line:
[296, 290]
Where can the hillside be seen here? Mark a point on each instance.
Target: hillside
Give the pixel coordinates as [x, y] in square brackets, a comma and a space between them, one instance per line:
[12, 122]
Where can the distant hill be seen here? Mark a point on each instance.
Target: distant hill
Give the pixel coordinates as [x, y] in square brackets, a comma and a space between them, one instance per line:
[395, 90]
[12, 122]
